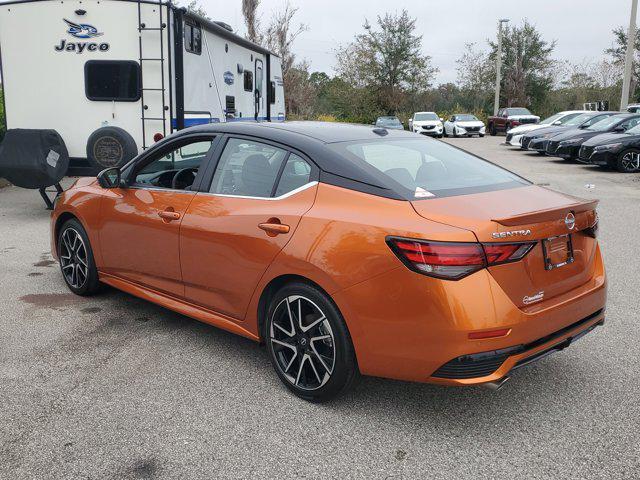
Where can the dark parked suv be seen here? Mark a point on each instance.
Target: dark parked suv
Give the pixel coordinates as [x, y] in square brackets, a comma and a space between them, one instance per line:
[614, 150]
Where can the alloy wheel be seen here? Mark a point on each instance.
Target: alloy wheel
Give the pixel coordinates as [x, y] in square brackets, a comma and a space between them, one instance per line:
[303, 342]
[630, 161]
[73, 258]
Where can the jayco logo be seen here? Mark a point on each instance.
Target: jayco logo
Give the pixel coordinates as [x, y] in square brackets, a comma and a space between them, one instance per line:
[84, 31]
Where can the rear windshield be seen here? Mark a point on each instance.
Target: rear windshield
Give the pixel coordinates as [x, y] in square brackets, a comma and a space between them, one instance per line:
[422, 168]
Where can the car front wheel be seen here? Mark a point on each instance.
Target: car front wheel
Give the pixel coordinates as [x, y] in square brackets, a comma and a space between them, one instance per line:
[76, 259]
[628, 161]
[309, 344]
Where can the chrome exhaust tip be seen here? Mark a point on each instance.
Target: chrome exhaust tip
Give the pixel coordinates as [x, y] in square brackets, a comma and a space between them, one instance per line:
[497, 385]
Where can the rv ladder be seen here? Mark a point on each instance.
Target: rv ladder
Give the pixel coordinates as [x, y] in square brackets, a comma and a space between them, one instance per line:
[142, 27]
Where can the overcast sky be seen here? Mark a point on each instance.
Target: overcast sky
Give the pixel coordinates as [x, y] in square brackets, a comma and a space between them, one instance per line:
[582, 28]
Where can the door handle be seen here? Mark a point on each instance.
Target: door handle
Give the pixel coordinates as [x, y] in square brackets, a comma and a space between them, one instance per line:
[273, 228]
[169, 215]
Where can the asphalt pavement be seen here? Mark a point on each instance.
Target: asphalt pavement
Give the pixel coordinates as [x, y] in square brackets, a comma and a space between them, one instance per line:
[115, 387]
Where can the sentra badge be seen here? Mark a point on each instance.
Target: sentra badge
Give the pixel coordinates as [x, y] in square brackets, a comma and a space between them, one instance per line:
[512, 233]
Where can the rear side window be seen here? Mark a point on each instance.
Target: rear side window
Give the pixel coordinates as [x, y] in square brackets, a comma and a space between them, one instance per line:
[112, 80]
[423, 168]
[296, 173]
[192, 38]
[247, 168]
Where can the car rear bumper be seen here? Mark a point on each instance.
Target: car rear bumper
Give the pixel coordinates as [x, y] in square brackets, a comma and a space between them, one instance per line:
[412, 326]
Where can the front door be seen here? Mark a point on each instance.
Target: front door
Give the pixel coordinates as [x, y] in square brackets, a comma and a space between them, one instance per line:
[231, 233]
[139, 236]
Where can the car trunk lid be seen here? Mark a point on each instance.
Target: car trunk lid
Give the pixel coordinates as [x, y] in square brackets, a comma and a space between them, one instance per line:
[527, 214]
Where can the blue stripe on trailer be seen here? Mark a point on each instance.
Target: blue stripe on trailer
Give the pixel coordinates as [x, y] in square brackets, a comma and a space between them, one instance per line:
[190, 122]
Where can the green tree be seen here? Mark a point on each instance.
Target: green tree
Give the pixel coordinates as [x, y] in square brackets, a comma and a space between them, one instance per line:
[527, 66]
[618, 52]
[476, 77]
[387, 59]
[194, 7]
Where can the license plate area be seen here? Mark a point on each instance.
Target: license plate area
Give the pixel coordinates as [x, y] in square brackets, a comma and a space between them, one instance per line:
[558, 251]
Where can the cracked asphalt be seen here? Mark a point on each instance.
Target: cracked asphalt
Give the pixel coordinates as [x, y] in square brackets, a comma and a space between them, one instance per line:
[114, 387]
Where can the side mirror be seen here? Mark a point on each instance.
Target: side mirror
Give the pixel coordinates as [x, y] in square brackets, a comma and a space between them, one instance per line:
[557, 122]
[441, 119]
[109, 178]
[619, 129]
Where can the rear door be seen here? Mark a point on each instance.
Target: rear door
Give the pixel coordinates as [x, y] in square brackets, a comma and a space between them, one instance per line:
[248, 211]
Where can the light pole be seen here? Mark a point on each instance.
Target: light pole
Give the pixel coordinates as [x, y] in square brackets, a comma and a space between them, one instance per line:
[628, 60]
[496, 101]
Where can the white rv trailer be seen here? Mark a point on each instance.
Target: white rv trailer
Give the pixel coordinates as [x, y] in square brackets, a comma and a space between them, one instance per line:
[112, 76]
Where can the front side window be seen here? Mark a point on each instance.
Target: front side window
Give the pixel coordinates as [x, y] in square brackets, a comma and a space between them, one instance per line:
[192, 38]
[247, 168]
[176, 168]
[427, 169]
[112, 80]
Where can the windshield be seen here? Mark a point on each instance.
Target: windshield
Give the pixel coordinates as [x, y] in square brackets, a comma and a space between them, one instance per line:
[518, 111]
[427, 168]
[551, 119]
[425, 116]
[634, 131]
[466, 118]
[605, 124]
[388, 121]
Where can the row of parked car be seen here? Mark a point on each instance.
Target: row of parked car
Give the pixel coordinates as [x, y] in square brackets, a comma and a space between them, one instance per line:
[430, 124]
[607, 139]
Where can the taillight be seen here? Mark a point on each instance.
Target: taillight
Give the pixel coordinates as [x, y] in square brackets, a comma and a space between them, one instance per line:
[157, 137]
[454, 260]
[498, 253]
[592, 231]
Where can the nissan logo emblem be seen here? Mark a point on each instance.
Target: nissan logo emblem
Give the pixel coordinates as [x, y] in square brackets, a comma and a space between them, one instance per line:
[570, 220]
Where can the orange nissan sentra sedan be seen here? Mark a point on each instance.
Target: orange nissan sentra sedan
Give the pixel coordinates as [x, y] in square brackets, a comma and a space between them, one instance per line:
[345, 249]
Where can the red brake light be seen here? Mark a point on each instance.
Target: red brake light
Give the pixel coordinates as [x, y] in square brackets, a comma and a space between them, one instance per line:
[505, 252]
[454, 260]
[439, 259]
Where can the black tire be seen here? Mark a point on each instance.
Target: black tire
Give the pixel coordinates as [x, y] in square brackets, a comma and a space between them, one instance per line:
[324, 349]
[110, 147]
[481, 135]
[455, 134]
[444, 132]
[87, 283]
[628, 161]
[492, 130]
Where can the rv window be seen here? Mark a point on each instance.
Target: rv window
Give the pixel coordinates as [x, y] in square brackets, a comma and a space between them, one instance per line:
[192, 38]
[248, 81]
[112, 80]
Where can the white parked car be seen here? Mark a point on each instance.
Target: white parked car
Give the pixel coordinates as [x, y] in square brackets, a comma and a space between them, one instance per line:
[426, 123]
[463, 124]
[514, 136]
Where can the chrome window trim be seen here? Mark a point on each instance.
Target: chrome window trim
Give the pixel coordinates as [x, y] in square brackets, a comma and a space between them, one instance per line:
[288, 194]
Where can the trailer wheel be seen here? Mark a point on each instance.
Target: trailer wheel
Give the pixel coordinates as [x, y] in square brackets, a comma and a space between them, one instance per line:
[110, 147]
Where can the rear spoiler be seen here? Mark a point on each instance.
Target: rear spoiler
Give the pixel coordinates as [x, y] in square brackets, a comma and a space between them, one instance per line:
[546, 215]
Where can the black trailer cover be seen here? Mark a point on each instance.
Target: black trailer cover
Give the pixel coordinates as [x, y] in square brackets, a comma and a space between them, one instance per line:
[33, 158]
